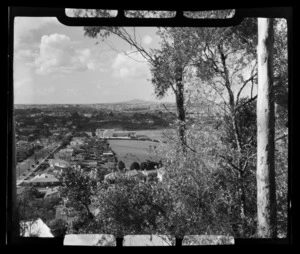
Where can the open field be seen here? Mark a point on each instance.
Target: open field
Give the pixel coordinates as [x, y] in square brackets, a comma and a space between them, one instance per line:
[153, 134]
[129, 151]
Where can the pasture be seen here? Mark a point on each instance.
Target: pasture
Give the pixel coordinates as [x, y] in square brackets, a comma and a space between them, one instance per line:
[154, 134]
[129, 151]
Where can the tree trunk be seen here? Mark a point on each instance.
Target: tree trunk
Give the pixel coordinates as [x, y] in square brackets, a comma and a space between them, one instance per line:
[266, 188]
[180, 106]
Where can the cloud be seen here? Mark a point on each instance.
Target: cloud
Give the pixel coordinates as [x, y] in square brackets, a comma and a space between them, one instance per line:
[147, 39]
[57, 54]
[25, 53]
[130, 65]
[23, 27]
[46, 90]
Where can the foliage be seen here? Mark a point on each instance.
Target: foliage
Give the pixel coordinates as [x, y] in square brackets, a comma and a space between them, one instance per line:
[101, 172]
[143, 165]
[132, 207]
[46, 208]
[77, 190]
[30, 207]
[134, 165]
[58, 228]
[209, 188]
[26, 210]
[151, 164]
[281, 163]
[121, 165]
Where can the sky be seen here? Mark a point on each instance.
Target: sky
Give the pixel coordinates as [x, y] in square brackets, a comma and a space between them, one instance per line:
[55, 64]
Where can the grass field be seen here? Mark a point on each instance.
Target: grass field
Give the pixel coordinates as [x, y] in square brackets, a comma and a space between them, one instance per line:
[153, 134]
[129, 151]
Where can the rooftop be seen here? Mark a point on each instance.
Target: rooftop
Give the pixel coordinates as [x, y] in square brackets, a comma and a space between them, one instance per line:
[44, 180]
[37, 227]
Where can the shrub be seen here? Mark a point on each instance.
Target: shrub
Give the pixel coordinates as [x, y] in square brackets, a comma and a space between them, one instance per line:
[135, 165]
[121, 165]
[143, 166]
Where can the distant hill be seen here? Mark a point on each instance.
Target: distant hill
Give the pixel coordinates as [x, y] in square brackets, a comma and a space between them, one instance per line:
[135, 101]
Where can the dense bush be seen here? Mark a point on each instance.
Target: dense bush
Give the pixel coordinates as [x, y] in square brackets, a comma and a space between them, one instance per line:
[58, 228]
[121, 165]
[135, 165]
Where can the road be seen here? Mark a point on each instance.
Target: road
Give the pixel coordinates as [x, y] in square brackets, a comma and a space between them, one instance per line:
[40, 156]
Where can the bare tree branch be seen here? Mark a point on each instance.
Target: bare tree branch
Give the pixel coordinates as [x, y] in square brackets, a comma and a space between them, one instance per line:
[230, 163]
[169, 110]
[245, 103]
[243, 86]
[281, 137]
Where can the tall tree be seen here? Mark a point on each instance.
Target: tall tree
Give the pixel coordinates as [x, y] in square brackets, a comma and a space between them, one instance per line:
[227, 66]
[266, 187]
[121, 165]
[78, 189]
[170, 68]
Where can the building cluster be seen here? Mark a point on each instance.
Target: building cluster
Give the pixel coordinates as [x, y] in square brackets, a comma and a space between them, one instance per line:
[26, 148]
[119, 134]
[87, 155]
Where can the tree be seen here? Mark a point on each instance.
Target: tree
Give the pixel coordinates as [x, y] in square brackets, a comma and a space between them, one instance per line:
[58, 228]
[27, 211]
[78, 188]
[134, 165]
[101, 172]
[266, 187]
[151, 164]
[170, 68]
[132, 207]
[226, 65]
[121, 165]
[143, 165]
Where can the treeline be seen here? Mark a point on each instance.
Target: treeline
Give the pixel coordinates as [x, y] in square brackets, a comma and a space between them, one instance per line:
[145, 165]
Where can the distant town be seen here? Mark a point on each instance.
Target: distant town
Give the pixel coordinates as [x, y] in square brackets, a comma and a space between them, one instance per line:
[50, 138]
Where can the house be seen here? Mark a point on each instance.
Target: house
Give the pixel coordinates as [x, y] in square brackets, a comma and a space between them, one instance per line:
[58, 163]
[44, 181]
[111, 176]
[108, 154]
[161, 172]
[52, 192]
[108, 133]
[35, 228]
[135, 174]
